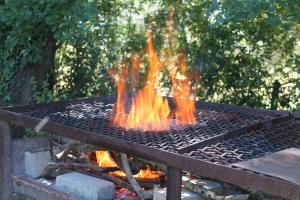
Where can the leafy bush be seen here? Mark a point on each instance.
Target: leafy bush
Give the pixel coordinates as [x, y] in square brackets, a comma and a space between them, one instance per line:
[248, 52]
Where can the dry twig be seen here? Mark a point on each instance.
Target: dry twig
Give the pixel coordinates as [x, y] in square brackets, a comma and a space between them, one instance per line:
[126, 168]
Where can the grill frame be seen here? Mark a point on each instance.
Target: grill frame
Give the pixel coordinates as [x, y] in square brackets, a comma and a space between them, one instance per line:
[179, 160]
[214, 121]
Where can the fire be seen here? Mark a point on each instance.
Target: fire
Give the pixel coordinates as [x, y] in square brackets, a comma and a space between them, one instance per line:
[147, 173]
[104, 160]
[149, 110]
[120, 117]
[185, 113]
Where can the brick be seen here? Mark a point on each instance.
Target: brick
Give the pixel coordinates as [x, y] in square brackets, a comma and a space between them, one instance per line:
[36, 162]
[161, 194]
[86, 187]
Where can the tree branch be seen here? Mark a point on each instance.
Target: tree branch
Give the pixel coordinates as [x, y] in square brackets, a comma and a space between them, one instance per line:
[126, 168]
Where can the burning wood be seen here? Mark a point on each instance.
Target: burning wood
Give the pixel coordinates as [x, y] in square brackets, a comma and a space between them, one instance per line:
[104, 160]
[100, 164]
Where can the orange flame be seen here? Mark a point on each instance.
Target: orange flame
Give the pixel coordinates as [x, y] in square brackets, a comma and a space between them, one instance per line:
[104, 160]
[135, 66]
[185, 113]
[147, 173]
[120, 116]
[149, 110]
[181, 81]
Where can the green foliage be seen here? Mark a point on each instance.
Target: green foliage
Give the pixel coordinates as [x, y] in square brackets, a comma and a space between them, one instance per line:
[24, 26]
[248, 51]
[242, 47]
[31, 132]
[21, 197]
[44, 95]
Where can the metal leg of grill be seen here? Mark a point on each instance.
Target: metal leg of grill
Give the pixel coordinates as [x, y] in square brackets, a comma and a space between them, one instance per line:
[174, 182]
[6, 186]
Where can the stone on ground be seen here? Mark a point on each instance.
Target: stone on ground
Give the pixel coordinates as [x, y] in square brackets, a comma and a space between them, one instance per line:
[202, 186]
[161, 194]
[86, 187]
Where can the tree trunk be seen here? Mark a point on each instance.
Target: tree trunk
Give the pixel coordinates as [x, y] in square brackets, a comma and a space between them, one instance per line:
[22, 84]
[275, 95]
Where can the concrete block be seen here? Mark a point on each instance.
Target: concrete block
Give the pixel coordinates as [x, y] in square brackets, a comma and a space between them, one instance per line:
[161, 194]
[86, 187]
[36, 162]
[202, 186]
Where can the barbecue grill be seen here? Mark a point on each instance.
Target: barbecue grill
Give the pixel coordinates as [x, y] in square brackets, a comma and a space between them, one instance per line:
[224, 135]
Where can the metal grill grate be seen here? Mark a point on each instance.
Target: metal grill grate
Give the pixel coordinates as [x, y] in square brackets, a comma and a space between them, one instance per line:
[252, 145]
[224, 135]
[95, 117]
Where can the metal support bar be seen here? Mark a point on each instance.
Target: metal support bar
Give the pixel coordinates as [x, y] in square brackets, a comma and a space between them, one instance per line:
[174, 182]
[6, 186]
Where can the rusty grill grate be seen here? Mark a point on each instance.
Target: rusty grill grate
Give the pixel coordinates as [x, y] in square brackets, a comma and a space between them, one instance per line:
[224, 136]
[94, 116]
[252, 144]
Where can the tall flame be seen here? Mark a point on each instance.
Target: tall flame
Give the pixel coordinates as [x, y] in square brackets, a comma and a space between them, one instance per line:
[120, 116]
[185, 106]
[149, 110]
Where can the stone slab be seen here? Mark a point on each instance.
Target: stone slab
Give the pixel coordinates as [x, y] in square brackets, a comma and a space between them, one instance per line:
[283, 164]
[86, 187]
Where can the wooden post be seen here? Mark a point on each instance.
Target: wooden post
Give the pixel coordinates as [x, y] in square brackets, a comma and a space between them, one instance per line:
[6, 186]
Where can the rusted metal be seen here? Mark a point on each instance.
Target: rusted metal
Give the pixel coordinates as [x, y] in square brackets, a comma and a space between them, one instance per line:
[252, 144]
[174, 182]
[6, 161]
[239, 109]
[219, 126]
[94, 116]
[233, 134]
[59, 104]
[284, 164]
[244, 178]
[296, 115]
[110, 99]
[38, 190]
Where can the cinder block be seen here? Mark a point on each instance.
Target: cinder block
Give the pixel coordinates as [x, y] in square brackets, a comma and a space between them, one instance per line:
[161, 194]
[36, 162]
[86, 187]
[202, 186]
